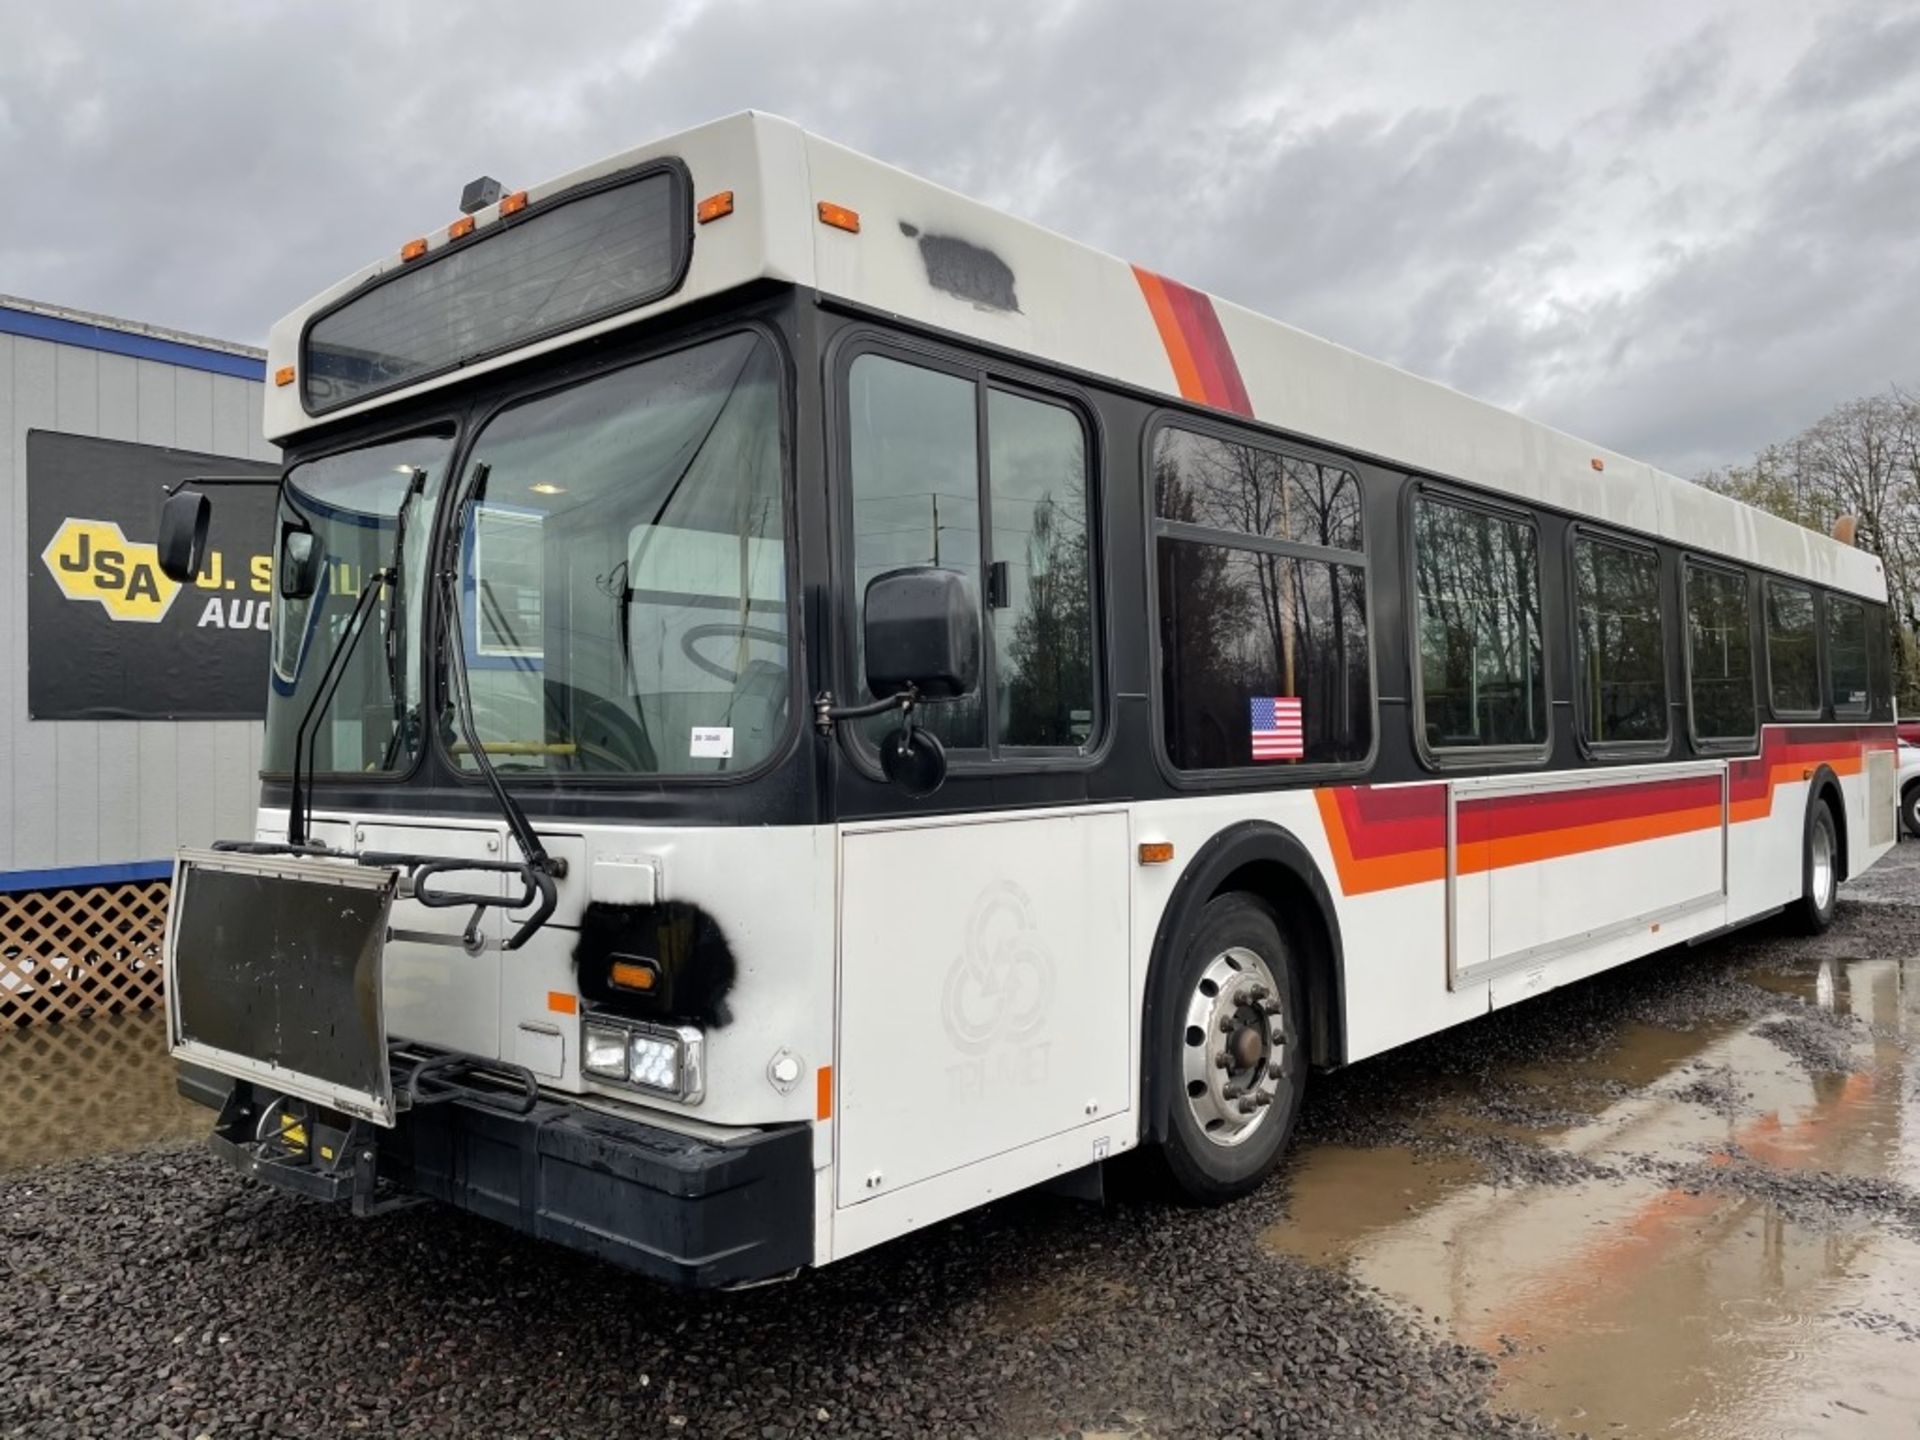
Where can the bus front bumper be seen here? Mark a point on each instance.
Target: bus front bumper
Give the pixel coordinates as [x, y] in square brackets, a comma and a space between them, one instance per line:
[694, 1213]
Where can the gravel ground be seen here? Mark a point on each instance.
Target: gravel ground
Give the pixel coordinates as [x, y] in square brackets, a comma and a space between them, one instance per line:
[166, 1298]
[158, 1295]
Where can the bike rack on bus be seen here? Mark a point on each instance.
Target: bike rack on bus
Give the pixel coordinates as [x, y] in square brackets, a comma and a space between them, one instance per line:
[323, 1155]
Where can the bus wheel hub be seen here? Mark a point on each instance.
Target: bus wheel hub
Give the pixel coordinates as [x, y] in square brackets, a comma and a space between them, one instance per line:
[1234, 1050]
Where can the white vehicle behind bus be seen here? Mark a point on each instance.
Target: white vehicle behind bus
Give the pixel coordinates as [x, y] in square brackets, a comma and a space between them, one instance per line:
[802, 704]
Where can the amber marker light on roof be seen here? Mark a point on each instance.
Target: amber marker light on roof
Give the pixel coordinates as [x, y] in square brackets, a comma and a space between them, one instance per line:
[839, 217]
[461, 227]
[1598, 463]
[514, 203]
[714, 207]
[413, 249]
[284, 375]
[1156, 852]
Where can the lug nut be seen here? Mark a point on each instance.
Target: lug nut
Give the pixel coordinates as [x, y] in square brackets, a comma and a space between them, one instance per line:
[1226, 1024]
[1221, 1062]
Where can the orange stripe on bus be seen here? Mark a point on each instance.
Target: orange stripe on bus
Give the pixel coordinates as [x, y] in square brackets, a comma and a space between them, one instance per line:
[1383, 838]
[823, 1093]
[1186, 374]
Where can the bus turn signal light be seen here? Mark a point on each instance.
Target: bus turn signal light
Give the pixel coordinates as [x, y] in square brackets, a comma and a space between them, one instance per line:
[714, 207]
[839, 217]
[413, 249]
[1156, 852]
[642, 975]
[514, 203]
[284, 375]
[461, 228]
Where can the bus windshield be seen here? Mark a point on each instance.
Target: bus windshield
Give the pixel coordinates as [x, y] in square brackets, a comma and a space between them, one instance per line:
[623, 605]
[352, 503]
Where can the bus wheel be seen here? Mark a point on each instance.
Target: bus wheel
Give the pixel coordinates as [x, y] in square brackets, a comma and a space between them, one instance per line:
[1910, 810]
[1236, 1056]
[1819, 871]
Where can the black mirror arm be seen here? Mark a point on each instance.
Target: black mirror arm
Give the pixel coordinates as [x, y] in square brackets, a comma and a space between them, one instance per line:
[825, 712]
[179, 485]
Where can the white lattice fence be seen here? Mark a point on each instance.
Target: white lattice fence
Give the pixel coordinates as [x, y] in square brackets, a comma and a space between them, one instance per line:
[91, 950]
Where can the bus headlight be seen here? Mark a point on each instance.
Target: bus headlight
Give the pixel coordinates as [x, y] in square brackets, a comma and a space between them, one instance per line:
[604, 1051]
[665, 1060]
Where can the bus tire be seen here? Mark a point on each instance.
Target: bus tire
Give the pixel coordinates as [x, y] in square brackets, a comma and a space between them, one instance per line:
[1235, 1051]
[1819, 870]
[1910, 809]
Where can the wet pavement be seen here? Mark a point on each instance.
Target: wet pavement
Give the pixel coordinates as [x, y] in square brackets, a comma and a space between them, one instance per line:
[89, 1087]
[1706, 1224]
[1681, 1199]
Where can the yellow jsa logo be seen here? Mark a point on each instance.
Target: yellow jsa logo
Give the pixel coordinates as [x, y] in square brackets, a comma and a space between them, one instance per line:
[94, 560]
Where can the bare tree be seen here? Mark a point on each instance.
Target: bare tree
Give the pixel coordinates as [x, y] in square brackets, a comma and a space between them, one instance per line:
[1861, 459]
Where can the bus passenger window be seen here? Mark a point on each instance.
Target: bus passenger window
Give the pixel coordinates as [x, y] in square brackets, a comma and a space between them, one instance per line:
[1793, 671]
[1264, 652]
[1879, 659]
[1719, 656]
[1483, 679]
[914, 447]
[1620, 653]
[917, 483]
[1042, 619]
[1847, 678]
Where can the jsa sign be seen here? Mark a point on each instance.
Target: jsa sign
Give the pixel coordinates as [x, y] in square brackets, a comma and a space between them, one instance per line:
[109, 636]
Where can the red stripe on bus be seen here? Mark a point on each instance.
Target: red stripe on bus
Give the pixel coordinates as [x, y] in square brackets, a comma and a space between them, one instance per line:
[1506, 816]
[1207, 338]
[1186, 303]
[1186, 377]
[1386, 837]
[1203, 365]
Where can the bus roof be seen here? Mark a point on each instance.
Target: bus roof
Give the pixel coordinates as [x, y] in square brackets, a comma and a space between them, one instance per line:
[937, 259]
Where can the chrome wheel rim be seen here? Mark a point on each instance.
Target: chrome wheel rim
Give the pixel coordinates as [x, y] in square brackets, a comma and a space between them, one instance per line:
[1822, 865]
[1234, 1051]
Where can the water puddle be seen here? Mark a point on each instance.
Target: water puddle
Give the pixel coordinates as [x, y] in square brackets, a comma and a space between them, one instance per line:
[84, 1087]
[1653, 1298]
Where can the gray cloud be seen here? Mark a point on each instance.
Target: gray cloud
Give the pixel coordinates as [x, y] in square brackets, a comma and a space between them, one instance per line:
[1679, 235]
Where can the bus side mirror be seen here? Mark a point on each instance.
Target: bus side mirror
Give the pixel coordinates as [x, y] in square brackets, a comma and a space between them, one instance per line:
[184, 519]
[922, 633]
[299, 563]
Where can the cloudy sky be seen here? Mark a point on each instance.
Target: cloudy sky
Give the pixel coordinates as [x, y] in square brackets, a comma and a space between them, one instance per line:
[1681, 229]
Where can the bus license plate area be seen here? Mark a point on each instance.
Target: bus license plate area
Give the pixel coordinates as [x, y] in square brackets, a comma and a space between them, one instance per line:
[273, 975]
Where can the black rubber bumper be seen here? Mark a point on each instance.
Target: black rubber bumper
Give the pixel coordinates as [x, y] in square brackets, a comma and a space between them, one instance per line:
[690, 1212]
[696, 1214]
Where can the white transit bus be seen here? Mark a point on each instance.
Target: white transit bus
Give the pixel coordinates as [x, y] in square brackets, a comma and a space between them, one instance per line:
[802, 704]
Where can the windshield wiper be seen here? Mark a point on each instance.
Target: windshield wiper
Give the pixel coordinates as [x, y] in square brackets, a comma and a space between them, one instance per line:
[540, 868]
[299, 802]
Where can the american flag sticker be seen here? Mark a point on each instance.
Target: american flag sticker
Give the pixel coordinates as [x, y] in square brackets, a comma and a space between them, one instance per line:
[1277, 728]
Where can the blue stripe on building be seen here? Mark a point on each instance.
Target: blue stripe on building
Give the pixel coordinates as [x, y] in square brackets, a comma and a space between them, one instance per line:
[13, 881]
[62, 331]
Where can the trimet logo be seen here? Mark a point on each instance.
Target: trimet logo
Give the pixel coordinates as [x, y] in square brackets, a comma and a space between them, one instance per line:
[94, 560]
